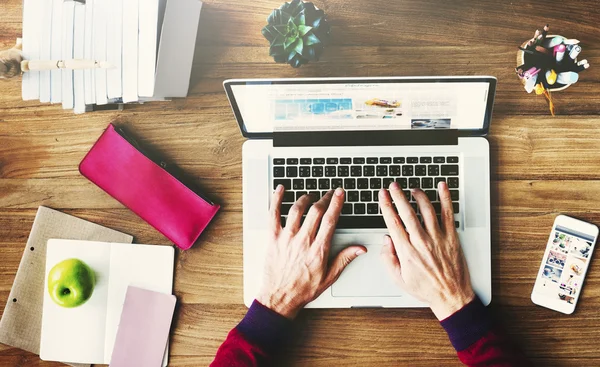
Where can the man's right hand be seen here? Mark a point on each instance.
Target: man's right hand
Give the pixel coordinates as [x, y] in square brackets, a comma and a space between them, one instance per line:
[426, 262]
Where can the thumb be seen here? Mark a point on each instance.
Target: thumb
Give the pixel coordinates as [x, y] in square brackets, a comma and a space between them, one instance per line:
[391, 261]
[343, 259]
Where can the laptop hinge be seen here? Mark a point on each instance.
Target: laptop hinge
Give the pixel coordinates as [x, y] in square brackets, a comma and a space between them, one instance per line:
[364, 138]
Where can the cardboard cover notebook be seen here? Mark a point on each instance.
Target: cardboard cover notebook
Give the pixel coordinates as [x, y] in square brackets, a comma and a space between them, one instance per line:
[21, 322]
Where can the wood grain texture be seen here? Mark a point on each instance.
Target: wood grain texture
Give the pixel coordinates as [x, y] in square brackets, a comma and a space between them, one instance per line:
[541, 166]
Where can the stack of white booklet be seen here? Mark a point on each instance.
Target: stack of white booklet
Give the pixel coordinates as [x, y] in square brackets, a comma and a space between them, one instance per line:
[149, 45]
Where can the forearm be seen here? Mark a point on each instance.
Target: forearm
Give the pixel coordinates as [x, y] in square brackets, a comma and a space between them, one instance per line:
[478, 342]
[255, 340]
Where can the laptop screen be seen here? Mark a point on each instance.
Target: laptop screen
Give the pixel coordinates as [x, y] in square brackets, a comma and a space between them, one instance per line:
[361, 104]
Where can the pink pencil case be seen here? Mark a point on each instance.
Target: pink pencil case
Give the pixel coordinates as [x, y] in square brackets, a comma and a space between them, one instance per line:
[148, 187]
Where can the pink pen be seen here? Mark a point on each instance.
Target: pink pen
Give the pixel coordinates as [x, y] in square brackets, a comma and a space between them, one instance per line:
[531, 72]
[559, 52]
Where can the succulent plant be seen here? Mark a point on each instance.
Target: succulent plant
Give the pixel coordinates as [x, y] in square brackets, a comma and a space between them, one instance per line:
[297, 32]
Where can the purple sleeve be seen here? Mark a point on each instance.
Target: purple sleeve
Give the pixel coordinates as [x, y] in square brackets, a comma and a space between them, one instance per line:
[264, 327]
[468, 325]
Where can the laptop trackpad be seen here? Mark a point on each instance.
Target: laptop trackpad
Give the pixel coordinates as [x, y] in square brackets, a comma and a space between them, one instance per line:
[366, 276]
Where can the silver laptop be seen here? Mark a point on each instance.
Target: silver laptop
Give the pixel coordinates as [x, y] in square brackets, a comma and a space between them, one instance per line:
[313, 135]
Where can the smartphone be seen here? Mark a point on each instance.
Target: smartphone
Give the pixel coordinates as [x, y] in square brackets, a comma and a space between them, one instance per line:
[564, 265]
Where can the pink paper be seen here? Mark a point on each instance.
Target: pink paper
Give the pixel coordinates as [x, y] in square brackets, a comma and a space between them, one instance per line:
[144, 329]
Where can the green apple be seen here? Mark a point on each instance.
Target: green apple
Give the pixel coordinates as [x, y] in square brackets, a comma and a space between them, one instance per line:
[71, 283]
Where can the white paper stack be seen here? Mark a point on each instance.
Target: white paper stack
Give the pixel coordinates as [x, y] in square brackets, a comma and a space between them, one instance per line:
[149, 45]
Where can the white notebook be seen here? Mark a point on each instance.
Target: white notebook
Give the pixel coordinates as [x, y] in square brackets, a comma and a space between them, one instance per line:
[130, 50]
[56, 51]
[79, 53]
[68, 101]
[86, 334]
[45, 49]
[88, 53]
[32, 27]
[99, 29]
[114, 45]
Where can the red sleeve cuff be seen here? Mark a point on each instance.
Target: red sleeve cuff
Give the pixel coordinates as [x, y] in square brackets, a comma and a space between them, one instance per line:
[467, 325]
[264, 327]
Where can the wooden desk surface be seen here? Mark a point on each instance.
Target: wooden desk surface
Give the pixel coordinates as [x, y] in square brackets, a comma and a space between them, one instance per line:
[541, 166]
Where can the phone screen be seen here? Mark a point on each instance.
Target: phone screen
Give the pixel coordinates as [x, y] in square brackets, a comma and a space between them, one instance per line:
[565, 264]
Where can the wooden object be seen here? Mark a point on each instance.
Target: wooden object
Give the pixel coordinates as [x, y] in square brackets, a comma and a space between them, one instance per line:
[541, 166]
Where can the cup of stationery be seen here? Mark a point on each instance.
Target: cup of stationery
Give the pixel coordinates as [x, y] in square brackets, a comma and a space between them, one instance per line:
[554, 83]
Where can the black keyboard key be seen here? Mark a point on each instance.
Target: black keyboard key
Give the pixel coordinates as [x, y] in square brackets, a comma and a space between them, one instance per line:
[318, 160]
[369, 171]
[317, 171]
[406, 194]
[298, 184]
[453, 182]
[343, 171]
[433, 170]
[324, 184]
[305, 161]
[288, 197]
[456, 208]
[332, 161]
[291, 172]
[311, 184]
[387, 182]
[330, 171]
[299, 194]
[372, 208]
[399, 160]
[356, 171]
[360, 209]
[452, 159]
[345, 160]
[385, 160]
[375, 184]
[425, 160]
[456, 224]
[358, 161]
[450, 170]
[362, 183]
[347, 208]
[292, 161]
[427, 183]
[304, 171]
[352, 196]
[412, 160]
[286, 183]
[439, 159]
[278, 161]
[285, 209]
[376, 195]
[420, 170]
[438, 208]
[372, 160]
[454, 195]
[403, 182]
[414, 207]
[336, 182]
[278, 171]
[394, 171]
[407, 171]
[367, 221]
[349, 183]
[431, 195]
[365, 196]
[323, 193]
[382, 171]
[414, 183]
[438, 180]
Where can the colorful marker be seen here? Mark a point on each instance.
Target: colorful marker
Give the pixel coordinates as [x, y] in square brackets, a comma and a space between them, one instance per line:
[559, 52]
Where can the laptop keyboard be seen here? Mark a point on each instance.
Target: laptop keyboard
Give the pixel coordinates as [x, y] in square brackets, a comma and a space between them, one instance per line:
[362, 178]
